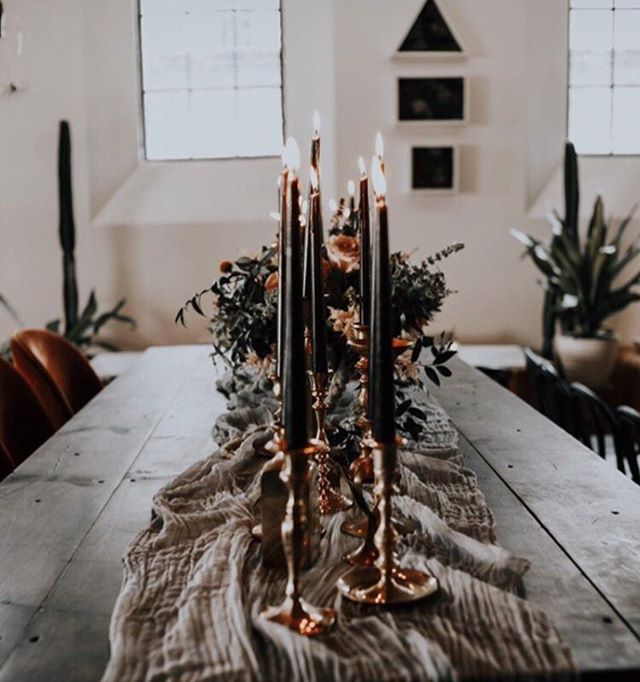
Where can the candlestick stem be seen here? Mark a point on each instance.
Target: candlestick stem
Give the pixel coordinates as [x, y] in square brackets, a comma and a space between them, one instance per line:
[274, 444]
[362, 467]
[331, 500]
[294, 612]
[386, 583]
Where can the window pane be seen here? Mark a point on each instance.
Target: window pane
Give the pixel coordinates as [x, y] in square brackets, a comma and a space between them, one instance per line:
[213, 122]
[259, 121]
[589, 4]
[215, 65]
[590, 119]
[626, 115]
[627, 47]
[166, 124]
[591, 41]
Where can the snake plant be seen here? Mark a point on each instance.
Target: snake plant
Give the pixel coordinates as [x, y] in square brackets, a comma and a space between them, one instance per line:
[584, 276]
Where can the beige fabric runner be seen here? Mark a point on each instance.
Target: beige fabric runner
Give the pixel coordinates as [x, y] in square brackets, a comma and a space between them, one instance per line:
[194, 586]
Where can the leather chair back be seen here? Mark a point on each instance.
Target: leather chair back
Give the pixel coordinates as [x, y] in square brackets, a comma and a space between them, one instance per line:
[56, 370]
[24, 426]
[6, 463]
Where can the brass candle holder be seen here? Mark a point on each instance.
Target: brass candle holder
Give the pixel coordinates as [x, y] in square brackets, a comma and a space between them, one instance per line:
[294, 612]
[385, 583]
[362, 467]
[331, 500]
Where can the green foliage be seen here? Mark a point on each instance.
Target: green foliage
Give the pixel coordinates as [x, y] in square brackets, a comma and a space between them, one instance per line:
[243, 314]
[84, 333]
[583, 274]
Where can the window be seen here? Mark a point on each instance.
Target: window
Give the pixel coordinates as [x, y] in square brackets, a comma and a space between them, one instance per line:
[604, 76]
[211, 78]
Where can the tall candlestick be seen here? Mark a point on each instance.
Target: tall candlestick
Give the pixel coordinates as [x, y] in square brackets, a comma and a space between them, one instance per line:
[281, 268]
[318, 308]
[315, 164]
[365, 246]
[381, 395]
[294, 380]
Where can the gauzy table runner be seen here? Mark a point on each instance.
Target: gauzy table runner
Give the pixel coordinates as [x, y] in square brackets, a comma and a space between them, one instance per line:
[194, 586]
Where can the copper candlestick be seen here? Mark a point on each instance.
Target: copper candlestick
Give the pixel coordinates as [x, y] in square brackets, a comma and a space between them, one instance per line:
[362, 467]
[385, 583]
[294, 612]
[331, 500]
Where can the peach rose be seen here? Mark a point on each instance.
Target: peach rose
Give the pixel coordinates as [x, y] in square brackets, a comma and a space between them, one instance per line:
[344, 252]
[271, 282]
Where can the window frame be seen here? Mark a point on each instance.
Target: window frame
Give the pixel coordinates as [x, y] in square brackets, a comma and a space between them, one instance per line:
[205, 159]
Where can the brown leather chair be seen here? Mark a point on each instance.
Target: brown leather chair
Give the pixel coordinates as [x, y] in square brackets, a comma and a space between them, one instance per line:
[24, 426]
[58, 373]
[6, 463]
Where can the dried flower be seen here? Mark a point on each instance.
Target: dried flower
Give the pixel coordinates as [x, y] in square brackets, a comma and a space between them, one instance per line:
[271, 283]
[407, 369]
[344, 252]
[343, 320]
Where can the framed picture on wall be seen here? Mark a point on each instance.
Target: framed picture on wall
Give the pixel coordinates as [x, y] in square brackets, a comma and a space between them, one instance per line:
[431, 35]
[434, 168]
[433, 100]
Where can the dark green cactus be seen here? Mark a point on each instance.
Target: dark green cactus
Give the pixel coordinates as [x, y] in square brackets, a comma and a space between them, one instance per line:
[571, 231]
[67, 229]
[571, 192]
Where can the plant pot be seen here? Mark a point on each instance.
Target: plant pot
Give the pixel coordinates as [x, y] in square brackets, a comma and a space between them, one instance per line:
[589, 361]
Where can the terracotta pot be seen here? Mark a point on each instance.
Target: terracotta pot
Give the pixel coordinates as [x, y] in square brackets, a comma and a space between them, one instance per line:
[589, 361]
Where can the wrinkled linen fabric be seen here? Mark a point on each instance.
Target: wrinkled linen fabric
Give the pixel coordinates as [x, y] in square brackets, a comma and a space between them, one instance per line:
[194, 587]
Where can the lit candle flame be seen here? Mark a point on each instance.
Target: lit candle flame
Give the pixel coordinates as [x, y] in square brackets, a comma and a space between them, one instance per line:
[362, 167]
[304, 207]
[313, 179]
[316, 124]
[333, 207]
[291, 154]
[379, 145]
[351, 188]
[377, 177]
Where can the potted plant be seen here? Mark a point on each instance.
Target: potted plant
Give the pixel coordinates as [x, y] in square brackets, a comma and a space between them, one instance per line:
[584, 283]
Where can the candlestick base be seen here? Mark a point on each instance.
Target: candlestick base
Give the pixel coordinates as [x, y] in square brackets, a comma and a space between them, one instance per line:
[368, 585]
[367, 553]
[384, 582]
[356, 528]
[301, 617]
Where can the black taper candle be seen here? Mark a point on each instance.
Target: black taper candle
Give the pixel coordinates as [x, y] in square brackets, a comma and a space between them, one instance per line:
[365, 251]
[294, 374]
[315, 164]
[318, 308]
[381, 394]
[281, 271]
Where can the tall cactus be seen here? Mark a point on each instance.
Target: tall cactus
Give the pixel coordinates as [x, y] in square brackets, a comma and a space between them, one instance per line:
[570, 227]
[571, 192]
[67, 229]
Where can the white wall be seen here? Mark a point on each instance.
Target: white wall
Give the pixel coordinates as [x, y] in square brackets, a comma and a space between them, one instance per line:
[156, 233]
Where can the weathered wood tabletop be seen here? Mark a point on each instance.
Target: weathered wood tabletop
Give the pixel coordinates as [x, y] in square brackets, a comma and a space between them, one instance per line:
[68, 513]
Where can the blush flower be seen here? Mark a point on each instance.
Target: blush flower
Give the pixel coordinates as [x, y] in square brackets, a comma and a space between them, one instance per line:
[344, 252]
[343, 320]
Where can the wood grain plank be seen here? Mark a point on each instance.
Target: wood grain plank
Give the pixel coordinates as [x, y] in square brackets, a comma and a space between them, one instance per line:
[51, 503]
[590, 509]
[585, 620]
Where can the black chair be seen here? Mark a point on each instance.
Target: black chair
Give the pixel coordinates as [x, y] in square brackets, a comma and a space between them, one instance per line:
[629, 440]
[595, 423]
[552, 393]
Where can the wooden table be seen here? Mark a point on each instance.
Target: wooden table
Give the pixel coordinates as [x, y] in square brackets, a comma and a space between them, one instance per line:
[68, 513]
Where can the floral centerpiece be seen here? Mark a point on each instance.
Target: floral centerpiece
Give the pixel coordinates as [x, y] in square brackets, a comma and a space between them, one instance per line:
[241, 306]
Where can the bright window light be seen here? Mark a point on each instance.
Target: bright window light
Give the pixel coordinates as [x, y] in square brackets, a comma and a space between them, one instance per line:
[604, 76]
[211, 78]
